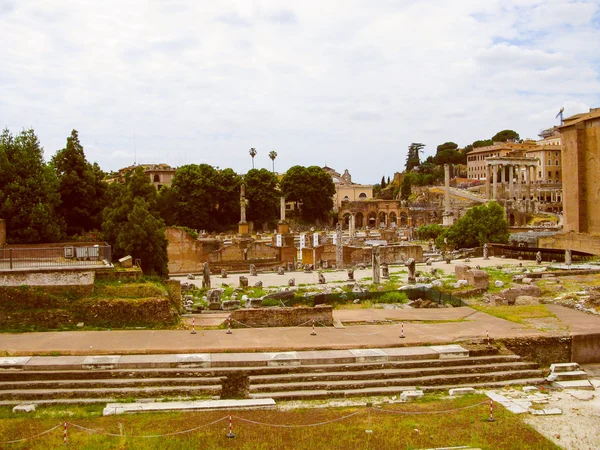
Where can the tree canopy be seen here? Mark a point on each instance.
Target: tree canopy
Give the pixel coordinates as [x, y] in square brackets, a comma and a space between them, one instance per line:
[312, 189]
[262, 194]
[81, 188]
[132, 224]
[505, 136]
[28, 191]
[482, 224]
[413, 159]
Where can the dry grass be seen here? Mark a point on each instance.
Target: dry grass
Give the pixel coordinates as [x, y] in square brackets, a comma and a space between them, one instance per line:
[515, 313]
[402, 426]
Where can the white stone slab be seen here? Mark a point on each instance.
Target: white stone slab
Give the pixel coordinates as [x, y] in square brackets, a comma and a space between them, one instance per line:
[101, 362]
[122, 408]
[461, 391]
[516, 409]
[529, 389]
[564, 367]
[13, 361]
[450, 351]
[546, 412]
[283, 359]
[369, 355]
[575, 384]
[407, 396]
[192, 360]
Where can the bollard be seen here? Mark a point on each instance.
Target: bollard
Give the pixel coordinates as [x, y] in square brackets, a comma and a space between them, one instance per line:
[193, 327]
[229, 325]
[488, 339]
[491, 418]
[314, 333]
[65, 434]
[230, 435]
[402, 334]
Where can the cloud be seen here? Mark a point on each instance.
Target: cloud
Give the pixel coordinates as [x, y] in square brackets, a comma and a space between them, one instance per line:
[316, 81]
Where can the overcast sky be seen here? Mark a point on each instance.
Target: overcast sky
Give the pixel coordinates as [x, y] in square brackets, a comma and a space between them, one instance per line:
[347, 83]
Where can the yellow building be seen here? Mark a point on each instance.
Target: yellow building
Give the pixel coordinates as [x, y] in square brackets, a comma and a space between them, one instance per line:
[160, 174]
[346, 190]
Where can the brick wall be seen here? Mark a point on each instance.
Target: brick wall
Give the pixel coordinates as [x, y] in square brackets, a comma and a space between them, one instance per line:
[283, 317]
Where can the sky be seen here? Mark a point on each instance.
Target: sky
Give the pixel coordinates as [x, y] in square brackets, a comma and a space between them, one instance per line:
[345, 83]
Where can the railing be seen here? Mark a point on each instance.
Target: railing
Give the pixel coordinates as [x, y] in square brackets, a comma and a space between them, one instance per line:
[68, 256]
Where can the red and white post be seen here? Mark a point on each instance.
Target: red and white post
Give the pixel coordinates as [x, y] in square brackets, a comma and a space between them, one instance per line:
[193, 327]
[229, 325]
[65, 434]
[230, 435]
[491, 418]
[402, 333]
[314, 333]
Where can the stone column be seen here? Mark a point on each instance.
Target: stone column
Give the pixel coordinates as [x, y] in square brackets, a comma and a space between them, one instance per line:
[487, 180]
[282, 208]
[339, 248]
[495, 178]
[528, 181]
[535, 186]
[243, 227]
[352, 226]
[375, 263]
[511, 186]
[446, 188]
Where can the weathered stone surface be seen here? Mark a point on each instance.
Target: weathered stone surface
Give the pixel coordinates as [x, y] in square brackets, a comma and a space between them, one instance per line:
[510, 295]
[526, 300]
[235, 385]
[498, 283]
[478, 278]
[229, 305]
[24, 408]
[284, 317]
[461, 271]
[283, 295]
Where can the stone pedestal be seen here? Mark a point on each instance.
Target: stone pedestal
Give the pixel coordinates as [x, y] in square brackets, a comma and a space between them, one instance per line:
[243, 228]
[375, 260]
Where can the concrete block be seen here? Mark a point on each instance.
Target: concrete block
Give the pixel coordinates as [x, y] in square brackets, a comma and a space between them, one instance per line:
[206, 405]
[193, 360]
[408, 396]
[369, 355]
[461, 391]
[14, 362]
[450, 351]
[564, 367]
[101, 362]
[24, 408]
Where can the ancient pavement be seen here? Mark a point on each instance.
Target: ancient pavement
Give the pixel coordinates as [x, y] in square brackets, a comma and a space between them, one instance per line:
[422, 326]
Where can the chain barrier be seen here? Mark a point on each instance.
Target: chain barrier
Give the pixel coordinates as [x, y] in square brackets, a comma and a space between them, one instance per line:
[359, 334]
[252, 422]
[258, 328]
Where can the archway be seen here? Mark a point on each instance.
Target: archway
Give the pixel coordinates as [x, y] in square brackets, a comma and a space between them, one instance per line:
[156, 179]
[359, 220]
[382, 219]
[393, 218]
[511, 220]
[403, 219]
[372, 220]
[346, 220]
[362, 195]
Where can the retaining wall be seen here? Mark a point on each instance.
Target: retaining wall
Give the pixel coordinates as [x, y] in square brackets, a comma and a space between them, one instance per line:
[283, 317]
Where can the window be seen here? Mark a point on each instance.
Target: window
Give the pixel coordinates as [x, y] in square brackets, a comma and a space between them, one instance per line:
[156, 178]
[549, 174]
[549, 162]
[362, 195]
[557, 163]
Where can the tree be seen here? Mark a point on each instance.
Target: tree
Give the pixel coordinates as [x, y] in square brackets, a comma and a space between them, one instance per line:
[482, 143]
[383, 182]
[505, 136]
[253, 154]
[481, 224]
[132, 224]
[405, 189]
[228, 199]
[388, 180]
[273, 155]
[412, 159]
[194, 197]
[312, 189]
[29, 194]
[447, 146]
[81, 188]
[262, 194]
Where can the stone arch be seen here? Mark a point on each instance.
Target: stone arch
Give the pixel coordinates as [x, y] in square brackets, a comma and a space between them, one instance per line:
[393, 217]
[346, 198]
[403, 219]
[359, 220]
[382, 222]
[372, 219]
[362, 195]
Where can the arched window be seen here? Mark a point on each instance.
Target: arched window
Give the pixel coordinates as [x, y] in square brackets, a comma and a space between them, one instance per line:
[157, 178]
[362, 195]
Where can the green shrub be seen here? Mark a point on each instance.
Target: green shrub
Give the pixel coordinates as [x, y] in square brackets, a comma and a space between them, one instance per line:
[391, 297]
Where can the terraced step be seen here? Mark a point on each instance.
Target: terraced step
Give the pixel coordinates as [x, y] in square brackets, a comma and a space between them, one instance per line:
[388, 373]
[31, 375]
[457, 379]
[116, 393]
[108, 383]
[387, 390]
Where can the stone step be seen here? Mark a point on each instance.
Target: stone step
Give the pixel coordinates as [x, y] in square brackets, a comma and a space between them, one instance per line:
[575, 384]
[458, 379]
[116, 393]
[151, 372]
[108, 383]
[388, 373]
[386, 390]
[564, 367]
[566, 376]
[201, 405]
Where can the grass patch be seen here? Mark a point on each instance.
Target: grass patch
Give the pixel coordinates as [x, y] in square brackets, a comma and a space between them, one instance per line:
[517, 313]
[392, 429]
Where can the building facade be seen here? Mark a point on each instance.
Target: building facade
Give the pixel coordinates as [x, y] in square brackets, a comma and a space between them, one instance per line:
[346, 190]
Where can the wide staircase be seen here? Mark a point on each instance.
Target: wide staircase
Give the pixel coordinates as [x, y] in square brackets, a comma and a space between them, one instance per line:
[282, 376]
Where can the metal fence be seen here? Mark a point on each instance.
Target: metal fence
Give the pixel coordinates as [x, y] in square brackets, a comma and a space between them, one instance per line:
[548, 254]
[68, 256]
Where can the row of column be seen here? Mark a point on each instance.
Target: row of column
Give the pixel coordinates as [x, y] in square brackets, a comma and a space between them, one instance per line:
[513, 188]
